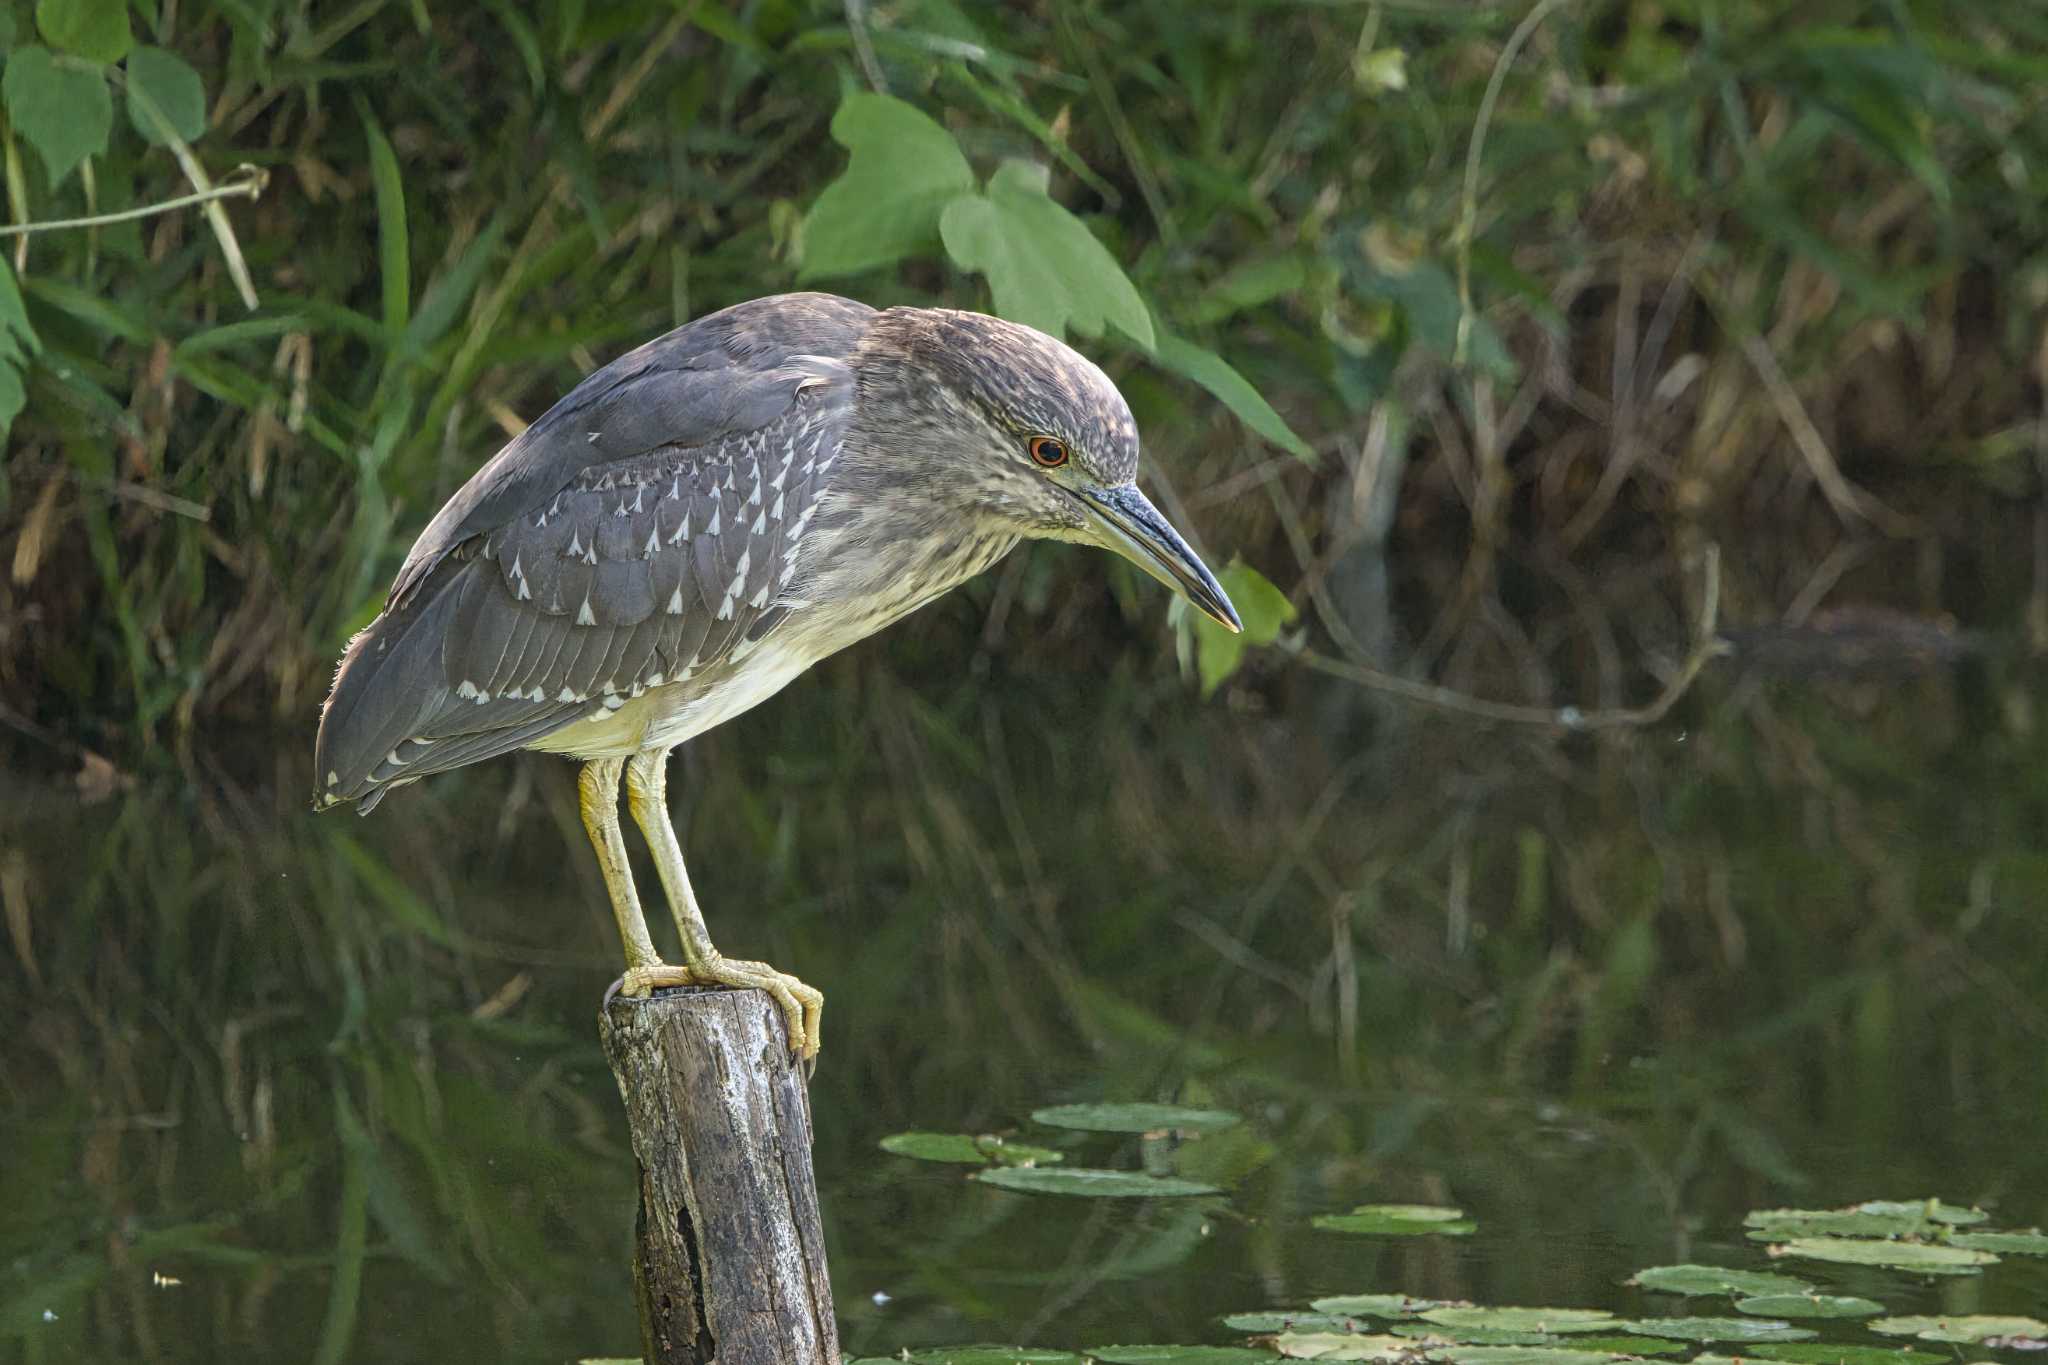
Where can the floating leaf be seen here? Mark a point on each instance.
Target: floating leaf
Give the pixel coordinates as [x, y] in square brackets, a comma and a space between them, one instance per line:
[1714, 1279]
[1261, 608]
[1179, 1355]
[165, 78]
[1292, 1320]
[902, 172]
[61, 111]
[1526, 1319]
[1520, 1355]
[1718, 1329]
[1807, 1306]
[96, 30]
[1926, 1258]
[1822, 1353]
[1345, 1346]
[1044, 267]
[2014, 1243]
[1777, 1225]
[1135, 1118]
[1090, 1183]
[1967, 1328]
[967, 1149]
[989, 1355]
[1215, 374]
[1472, 1336]
[1933, 1210]
[1623, 1345]
[1378, 1305]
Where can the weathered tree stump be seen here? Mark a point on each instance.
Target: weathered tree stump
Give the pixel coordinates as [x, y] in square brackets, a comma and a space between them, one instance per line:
[730, 1260]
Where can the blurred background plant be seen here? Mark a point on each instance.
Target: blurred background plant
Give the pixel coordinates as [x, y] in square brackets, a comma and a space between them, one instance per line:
[1461, 330]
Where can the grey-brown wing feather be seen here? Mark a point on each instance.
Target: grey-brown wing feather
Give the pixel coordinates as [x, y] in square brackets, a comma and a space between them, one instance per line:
[625, 573]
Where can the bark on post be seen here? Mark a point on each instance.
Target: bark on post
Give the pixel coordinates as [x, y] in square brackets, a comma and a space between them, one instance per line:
[730, 1255]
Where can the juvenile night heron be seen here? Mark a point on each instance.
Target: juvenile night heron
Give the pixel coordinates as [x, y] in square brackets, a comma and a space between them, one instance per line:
[702, 520]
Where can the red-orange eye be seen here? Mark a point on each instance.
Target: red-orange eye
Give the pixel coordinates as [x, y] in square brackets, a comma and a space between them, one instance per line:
[1048, 451]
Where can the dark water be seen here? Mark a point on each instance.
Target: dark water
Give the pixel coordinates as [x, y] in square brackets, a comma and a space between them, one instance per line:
[280, 1087]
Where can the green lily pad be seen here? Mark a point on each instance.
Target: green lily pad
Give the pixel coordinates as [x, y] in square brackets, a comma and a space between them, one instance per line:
[1377, 1305]
[1091, 1184]
[1778, 1225]
[1717, 1329]
[1397, 1220]
[2032, 1243]
[1179, 1355]
[1520, 1355]
[990, 1355]
[1933, 1210]
[1471, 1336]
[1345, 1346]
[1556, 1320]
[967, 1149]
[1808, 1306]
[1823, 1353]
[1714, 1279]
[1967, 1328]
[1290, 1320]
[1923, 1257]
[1622, 1345]
[1135, 1118]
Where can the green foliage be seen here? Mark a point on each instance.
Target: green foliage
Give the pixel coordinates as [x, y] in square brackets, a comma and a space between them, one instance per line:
[1043, 266]
[1406, 1220]
[96, 30]
[167, 80]
[18, 345]
[1262, 609]
[1132, 1117]
[902, 172]
[61, 110]
[1083, 1182]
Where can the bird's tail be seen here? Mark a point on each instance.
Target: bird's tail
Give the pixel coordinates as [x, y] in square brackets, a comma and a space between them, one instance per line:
[389, 683]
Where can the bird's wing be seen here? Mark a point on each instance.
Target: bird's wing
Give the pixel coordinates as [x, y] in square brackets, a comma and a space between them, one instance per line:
[639, 532]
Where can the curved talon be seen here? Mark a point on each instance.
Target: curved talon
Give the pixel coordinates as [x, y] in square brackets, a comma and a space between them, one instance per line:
[803, 1006]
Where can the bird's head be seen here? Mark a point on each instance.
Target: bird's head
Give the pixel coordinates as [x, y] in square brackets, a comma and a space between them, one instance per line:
[1036, 438]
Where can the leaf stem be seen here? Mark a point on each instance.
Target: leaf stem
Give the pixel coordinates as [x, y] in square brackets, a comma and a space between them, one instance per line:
[248, 183]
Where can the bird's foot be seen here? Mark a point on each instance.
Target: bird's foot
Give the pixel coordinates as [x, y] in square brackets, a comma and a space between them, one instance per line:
[642, 981]
[802, 1005]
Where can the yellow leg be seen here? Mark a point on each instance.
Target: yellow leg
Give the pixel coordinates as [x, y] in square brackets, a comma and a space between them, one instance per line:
[597, 790]
[647, 794]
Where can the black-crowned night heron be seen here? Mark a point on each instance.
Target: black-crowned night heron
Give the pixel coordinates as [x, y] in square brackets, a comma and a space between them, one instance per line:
[702, 520]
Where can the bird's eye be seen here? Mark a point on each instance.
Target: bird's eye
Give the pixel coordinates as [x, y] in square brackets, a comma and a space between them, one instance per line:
[1049, 452]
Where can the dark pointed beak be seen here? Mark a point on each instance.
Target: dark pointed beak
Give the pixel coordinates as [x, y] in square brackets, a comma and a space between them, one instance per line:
[1135, 530]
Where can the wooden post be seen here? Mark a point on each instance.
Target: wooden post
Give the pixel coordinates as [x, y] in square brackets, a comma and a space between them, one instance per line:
[730, 1260]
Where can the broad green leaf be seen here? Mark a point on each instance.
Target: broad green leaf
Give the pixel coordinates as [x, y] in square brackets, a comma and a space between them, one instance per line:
[1135, 1118]
[989, 1355]
[1714, 1279]
[1717, 1329]
[1923, 1257]
[1250, 285]
[1215, 374]
[1294, 1320]
[63, 112]
[903, 171]
[1964, 1328]
[18, 345]
[1345, 1346]
[2012, 1243]
[175, 87]
[1520, 1355]
[1091, 1184]
[1473, 1336]
[1822, 1353]
[968, 1149]
[1262, 609]
[1400, 1220]
[1933, 1210]
[1808, 1306]
[1179, 1355]
[1376, 1305]
[1044, 268]
[1623, 1345]
[96, 30]
[1526, 1319]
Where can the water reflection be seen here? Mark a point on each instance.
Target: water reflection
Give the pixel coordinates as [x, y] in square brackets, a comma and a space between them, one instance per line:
[326, 1089]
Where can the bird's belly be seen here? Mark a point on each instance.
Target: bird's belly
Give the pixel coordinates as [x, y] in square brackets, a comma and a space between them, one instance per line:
[665, 716]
